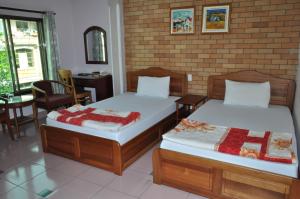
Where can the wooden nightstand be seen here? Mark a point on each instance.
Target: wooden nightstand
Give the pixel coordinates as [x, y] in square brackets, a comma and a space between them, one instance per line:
[190, 103]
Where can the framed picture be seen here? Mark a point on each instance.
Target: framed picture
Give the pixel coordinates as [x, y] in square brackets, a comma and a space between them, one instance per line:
[182, 20]
[215, 19]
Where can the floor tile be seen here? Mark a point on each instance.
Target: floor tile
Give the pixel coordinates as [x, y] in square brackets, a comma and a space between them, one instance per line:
[18, 193]
[163, 192]
[8, 161]
[50, 180]
[193, 196]
[131, 183]
[76, 189]
[143, 164]
[25, 165]
[49, 160]
[111, 194]
[22, 173]
[72, 168]
[5, 186]
[98, 176]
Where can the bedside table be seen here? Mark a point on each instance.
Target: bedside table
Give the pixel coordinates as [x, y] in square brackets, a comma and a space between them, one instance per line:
[190, 103]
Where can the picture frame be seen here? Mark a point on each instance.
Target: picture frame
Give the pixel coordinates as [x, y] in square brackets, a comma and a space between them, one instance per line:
[182, 20]
[216, 18]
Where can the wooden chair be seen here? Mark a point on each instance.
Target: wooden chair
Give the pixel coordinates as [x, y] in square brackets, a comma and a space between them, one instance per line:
[47, 98]
[65, 76]
[4, 117]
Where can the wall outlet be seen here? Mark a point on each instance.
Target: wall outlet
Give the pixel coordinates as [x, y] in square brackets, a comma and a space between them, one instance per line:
[189, 77]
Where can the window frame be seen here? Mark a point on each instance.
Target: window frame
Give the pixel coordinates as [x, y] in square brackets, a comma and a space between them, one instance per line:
[11, 50]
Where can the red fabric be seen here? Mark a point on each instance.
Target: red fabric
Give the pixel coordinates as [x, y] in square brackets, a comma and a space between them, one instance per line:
[235, 139]
[88, 115]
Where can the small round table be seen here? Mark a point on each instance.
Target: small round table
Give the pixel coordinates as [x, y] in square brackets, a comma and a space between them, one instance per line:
[16, 102]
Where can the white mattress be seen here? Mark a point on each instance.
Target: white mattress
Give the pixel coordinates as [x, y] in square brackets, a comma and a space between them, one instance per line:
[152, 111]
[275, 118]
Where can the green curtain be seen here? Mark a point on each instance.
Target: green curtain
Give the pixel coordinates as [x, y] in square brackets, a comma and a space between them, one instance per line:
[52, 46]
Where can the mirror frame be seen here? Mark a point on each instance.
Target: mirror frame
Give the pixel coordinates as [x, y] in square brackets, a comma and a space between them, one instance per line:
[85, 45]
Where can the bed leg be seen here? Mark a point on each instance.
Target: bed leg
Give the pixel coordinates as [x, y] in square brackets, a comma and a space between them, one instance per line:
[44, 138]
[156, 162]
[117, 159]
[295, 189]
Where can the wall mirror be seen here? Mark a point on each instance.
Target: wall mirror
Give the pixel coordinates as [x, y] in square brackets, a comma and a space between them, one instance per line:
[95, 45]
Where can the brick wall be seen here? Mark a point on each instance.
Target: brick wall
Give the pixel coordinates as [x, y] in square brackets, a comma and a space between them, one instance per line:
[264, 36]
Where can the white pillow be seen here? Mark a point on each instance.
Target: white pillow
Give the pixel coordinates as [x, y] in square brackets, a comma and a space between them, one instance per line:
[247, 94]
[153, 86]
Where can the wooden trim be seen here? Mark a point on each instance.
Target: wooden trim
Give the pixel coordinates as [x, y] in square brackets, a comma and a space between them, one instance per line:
[156, 163]
[101, 152]
[216, 179]
[282, 90]
[178, 81]
[117, 158]
[295, 189]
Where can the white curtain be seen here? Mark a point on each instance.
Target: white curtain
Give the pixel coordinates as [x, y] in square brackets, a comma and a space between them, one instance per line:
[52, 46]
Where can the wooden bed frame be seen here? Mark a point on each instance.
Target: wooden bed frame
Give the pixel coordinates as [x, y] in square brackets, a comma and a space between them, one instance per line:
[109, 154]
[220, 180]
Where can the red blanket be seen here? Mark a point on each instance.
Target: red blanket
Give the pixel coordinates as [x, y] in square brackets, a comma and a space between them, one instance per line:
[95, 118]
[236, 140]
[270, 146]
[78, 117]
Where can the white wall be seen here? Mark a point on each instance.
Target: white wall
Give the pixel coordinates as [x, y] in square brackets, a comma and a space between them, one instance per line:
[101, 13]
[64, 24]
[64, 21]
[85, 14]
[297, 106]
[73, 17]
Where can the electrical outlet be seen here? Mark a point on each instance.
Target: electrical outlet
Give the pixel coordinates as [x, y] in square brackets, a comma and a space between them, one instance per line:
[189, 77]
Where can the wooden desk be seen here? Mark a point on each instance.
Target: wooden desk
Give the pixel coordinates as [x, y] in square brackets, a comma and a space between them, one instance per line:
[102, 84]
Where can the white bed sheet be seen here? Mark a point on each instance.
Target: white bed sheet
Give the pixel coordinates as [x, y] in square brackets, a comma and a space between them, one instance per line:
[275, 118]
[152, 111]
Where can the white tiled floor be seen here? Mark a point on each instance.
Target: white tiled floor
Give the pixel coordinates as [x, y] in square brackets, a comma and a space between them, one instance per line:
[28, 172]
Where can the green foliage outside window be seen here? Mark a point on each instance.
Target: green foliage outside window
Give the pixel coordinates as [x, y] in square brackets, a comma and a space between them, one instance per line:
[6, 85]
[22, 25]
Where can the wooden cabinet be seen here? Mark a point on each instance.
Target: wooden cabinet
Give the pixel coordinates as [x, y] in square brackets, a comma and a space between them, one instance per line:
[102, 84]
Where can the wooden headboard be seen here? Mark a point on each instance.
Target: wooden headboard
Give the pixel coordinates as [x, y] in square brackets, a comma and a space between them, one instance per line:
[178, 81]
[282, 90]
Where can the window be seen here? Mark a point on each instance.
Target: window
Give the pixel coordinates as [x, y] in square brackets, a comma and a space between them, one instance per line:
[22, 26]
[22, 58]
